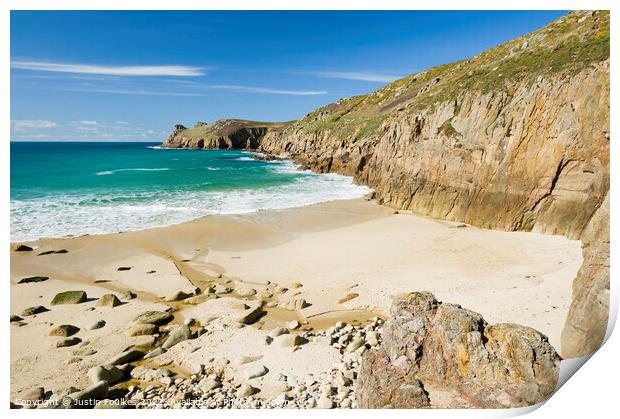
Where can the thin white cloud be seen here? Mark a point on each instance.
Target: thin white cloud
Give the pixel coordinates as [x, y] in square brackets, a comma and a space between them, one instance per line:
[134, 92]
[360, 76]
[84, 123]
[32, 124]
[165, 70]
[266, 90]
[246, 89]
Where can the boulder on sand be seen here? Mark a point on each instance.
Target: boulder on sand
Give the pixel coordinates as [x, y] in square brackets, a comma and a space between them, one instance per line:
[21, 248]
[154, 317]
[427, 344]
[141, 329]
[64, 330]
[69, 297]
[250, 315]
[179, 334]
[31, 311]
[108, 300]
[31, 279]
[108, 373]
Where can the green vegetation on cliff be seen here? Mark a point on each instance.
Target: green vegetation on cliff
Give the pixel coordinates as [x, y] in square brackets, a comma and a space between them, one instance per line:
[565, 46]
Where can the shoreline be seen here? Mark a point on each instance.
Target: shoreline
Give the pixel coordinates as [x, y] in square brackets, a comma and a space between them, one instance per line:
[349, 256]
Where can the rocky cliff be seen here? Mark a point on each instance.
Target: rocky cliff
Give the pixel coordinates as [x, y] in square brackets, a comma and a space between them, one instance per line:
[515, 138]
[223, 134]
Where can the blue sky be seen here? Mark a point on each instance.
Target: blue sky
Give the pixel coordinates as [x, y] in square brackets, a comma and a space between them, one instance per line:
[129, 76]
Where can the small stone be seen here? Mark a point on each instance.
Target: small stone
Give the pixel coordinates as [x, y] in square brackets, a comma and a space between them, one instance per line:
[15, 318]
[255, 371]
[209, 383]
[141, 329]
[289, 341]
[68, 342]
[246, 390]
[30, 279]
[325, 403]
[242, 359]
[69, 297]
[155, 317]
[348, 297]
[155, 352]
[17, 247]
[123, 268]
[108, 300]
[296, 285]
[125, 357]
[293, 325]
[250, 315]
[98, 325]
[127, 295]
[31, 311]
[177, 296]
[108, 373]
[356, 344]
[64, 330]
[278, 331]
[36, 394]
[246, 292]
[179, 334]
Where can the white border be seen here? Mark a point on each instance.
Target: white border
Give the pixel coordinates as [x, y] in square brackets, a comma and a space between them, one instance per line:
[593, 390]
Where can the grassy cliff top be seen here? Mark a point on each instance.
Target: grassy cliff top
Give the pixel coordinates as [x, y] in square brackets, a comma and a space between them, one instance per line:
[566, 45]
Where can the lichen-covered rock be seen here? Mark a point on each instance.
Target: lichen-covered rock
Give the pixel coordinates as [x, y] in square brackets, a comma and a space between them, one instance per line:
[586, 323]
[69, 297]
[108, 300]
[64, 330]
[429, 345]
[154, 317]
[31, 311]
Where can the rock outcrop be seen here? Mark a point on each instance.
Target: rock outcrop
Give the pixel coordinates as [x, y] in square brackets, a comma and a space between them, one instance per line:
[515, 138]
[586, 323]
[430, 346]
[235, 134]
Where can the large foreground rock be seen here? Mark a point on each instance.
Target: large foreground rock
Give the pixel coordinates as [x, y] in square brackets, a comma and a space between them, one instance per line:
[429, 345]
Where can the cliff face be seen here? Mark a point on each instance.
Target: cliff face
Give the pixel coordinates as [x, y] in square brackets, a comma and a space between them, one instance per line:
[532, 158]
[223, 134]
[516, 138]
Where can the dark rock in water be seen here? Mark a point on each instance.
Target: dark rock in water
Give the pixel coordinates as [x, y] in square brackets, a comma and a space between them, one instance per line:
[64, 330]
[69, 297]
[155, 317]
[123, 268]
[429, 345]
[31, 311]
[108, 300]
[21, 248]
[30, 279]
[68, 342]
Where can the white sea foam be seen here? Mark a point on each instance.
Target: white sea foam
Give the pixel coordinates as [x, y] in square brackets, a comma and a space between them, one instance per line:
[136, 169]
[97, 213]
[245, 158]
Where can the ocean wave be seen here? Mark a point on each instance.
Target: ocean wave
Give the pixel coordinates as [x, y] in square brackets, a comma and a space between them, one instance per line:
[113, 212]
[245, 159]
[137, 169]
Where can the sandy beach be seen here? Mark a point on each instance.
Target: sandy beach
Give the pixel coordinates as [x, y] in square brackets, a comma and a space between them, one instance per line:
[344, 258]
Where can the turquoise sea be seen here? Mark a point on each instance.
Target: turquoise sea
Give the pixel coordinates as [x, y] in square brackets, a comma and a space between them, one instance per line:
[71, 188]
